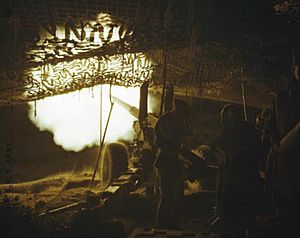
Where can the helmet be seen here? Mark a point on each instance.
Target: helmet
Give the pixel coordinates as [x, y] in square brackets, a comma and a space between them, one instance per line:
[182, 108]
[230, 114]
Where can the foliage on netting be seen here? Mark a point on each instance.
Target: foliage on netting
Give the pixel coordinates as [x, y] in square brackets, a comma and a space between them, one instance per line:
[290, 8]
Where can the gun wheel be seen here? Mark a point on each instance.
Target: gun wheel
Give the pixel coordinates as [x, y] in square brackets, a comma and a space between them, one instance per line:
[114, 161]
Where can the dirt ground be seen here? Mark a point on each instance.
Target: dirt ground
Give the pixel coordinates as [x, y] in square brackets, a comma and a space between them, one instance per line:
[46, 177]
[53, 191]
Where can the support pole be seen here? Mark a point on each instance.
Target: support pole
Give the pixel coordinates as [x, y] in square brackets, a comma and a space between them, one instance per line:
[244, 102]
[102, 144]
[243, 96]
[101, 114]
[164, 85]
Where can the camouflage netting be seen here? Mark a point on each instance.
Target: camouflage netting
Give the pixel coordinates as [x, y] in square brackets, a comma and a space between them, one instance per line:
[54, 47]
[210, 72]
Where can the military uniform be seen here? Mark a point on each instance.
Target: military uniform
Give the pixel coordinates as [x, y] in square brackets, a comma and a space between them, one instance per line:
[239, 171]
[169, 131]
[285, 170]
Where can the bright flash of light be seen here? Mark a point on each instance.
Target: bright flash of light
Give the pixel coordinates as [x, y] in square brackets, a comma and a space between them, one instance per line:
[74, 118]
[115, 34]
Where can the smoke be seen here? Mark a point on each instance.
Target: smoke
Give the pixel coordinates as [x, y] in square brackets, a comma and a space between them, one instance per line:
[74, 118]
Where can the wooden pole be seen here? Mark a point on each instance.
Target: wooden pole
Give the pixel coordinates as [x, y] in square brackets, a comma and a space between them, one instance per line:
[243, 96]
[102, 144]
[164, 85]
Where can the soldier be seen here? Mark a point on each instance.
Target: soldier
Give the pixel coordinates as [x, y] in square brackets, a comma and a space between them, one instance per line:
[286, 176]
[170, 131]
[262, 124]
[238, 175]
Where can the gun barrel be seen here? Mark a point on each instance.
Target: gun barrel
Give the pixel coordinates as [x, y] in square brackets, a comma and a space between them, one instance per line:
[135, 111]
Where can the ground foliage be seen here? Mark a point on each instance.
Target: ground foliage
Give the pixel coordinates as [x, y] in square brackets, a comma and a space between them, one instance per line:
[19, 221]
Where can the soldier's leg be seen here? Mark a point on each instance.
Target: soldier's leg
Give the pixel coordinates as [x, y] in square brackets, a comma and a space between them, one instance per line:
[176, 201]
[164, 213]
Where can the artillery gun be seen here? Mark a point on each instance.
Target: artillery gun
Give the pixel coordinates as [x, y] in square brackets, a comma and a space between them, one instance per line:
[144, 148]
[121, 174]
